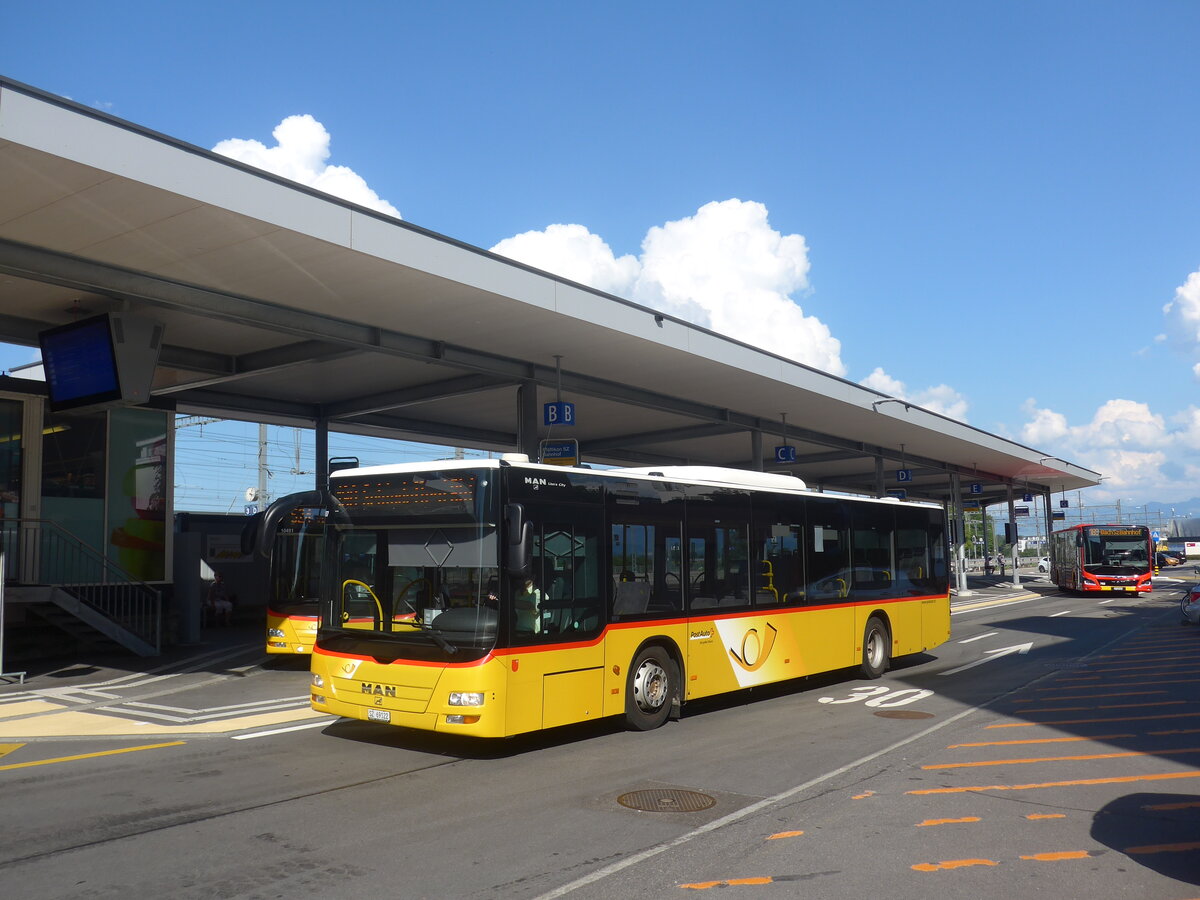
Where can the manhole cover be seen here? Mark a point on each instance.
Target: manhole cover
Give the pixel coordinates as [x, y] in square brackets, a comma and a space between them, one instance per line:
[667, 800]
[903, 714]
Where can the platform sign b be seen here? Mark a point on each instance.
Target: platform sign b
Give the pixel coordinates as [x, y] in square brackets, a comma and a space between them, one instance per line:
[558, 413]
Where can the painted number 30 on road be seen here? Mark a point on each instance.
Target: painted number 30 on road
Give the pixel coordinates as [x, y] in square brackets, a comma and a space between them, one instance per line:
[881, 697]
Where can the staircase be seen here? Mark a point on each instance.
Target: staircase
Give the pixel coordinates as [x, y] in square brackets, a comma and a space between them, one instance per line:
[79, 591]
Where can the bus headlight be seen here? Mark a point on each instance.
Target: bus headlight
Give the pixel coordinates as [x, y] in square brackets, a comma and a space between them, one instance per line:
[317, 680]
[466, 698]
[274, 632]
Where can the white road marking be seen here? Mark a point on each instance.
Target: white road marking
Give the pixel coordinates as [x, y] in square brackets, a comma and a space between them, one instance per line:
[993, 654]
[258, 734]
[979, 637]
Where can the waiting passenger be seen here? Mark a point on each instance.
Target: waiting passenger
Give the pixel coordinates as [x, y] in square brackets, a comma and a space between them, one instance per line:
[219, 603]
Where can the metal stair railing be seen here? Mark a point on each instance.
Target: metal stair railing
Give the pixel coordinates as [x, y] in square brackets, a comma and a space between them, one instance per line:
[50, 555]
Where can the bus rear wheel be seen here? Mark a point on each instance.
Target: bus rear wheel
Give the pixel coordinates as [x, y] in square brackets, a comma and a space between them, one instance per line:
[876, 648]
[650, 689]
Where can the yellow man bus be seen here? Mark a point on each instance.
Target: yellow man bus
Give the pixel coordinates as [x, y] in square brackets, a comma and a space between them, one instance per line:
[497, 597]
[292, 599]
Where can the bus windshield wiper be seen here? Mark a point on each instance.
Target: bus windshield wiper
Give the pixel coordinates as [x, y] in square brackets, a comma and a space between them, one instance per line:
[438, 639]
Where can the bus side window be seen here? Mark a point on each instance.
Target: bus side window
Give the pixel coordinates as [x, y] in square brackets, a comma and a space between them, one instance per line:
[565, 598]
[646, 560]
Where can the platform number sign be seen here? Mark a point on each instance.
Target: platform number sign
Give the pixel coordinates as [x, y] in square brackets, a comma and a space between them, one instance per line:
[558, 413]
[785, 454]
[904, 475]
[1027, 498]
[976, 488]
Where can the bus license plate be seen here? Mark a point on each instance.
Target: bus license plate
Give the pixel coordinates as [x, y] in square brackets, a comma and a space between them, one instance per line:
[379, 715]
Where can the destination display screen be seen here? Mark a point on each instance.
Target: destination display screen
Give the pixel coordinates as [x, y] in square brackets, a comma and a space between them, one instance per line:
[1117, 532]
[454, 496]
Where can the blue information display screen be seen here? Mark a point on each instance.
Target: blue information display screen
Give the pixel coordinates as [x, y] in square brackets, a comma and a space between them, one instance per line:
[80, 364]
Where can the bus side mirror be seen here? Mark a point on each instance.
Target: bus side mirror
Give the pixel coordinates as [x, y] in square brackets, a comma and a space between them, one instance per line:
[280, 510]
[519, 549]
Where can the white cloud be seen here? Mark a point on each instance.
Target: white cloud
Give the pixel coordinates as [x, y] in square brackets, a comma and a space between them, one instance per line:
[575, 253]
[1185, 308]
[724, 268]
[941, 398]
[881, 381]
[1046, 426]
[300, 153]
[1135, 450]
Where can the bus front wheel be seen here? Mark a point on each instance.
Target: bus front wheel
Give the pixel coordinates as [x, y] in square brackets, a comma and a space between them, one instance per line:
[876, 649]
[650, 689]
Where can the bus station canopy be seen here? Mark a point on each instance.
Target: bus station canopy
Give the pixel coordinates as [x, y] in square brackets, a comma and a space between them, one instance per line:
[285, 305]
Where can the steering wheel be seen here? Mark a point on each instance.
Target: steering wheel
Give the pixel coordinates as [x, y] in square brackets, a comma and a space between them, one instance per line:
[405, 589]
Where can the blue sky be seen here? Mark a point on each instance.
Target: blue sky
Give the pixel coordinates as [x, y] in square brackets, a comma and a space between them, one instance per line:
[989, 209]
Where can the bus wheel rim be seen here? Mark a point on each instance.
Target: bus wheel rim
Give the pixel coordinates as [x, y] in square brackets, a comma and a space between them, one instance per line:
[650, 686]
[875, 648]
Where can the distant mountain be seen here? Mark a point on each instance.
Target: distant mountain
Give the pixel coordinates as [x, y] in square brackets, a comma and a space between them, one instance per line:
[1183, 508]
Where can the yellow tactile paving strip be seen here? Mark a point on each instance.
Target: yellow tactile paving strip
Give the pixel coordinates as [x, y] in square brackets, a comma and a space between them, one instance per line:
[73, 723]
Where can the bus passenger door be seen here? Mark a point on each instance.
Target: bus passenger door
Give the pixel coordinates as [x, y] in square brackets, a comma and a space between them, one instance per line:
[558, 618]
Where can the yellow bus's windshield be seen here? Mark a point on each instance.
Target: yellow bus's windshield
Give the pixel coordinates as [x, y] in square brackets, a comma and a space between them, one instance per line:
[413, 561]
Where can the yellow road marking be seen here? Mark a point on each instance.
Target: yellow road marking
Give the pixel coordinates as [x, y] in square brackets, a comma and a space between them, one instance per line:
[1034, 816]
[1164, 848]
[1131, 665]
[1190, 804]
[1134, 683]
[784, 834]
[60, 759]
[1062, 709]
[929, 822]
[1058, 857]
[1061, 740]
[27, 707]
[705, 885]
[1123, 779]
[1090, 721]
[986, 604]
[953, 864]
[6, 749]
[73, 723]
[1041, 759]
[1085, 697]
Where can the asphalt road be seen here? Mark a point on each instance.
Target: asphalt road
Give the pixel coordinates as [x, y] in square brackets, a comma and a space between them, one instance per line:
[1050, 747]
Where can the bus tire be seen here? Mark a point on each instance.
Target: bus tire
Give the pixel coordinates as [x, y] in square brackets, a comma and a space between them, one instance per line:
[650, 688]
[876, 648]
